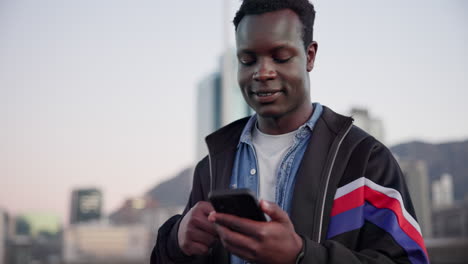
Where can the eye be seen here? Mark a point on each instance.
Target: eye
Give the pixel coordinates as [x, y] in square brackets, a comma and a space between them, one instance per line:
[282, 55]
[247, 59]
[282, 60]
[247, 63]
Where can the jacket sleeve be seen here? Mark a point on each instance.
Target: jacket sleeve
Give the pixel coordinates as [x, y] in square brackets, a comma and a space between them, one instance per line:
[167, 248]
[372, 219]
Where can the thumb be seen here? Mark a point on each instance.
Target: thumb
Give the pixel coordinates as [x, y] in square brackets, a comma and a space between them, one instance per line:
[274, 212]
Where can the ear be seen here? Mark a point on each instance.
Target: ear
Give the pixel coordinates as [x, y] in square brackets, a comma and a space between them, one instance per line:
[311, 52]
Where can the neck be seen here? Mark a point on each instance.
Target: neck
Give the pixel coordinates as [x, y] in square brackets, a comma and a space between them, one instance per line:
[286, 123]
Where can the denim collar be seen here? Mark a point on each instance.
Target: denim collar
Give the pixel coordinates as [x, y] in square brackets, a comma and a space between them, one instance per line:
[302, 131]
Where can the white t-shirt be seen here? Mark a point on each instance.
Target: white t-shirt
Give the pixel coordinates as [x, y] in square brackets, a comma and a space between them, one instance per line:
[270, 150]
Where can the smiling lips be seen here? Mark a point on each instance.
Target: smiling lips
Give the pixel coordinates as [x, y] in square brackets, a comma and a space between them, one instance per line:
[266, 96]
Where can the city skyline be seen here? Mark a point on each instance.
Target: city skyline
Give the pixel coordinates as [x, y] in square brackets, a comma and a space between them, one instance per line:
[103, 94]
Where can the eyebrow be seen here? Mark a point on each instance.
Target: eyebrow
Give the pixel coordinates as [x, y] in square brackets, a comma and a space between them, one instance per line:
[284, 46]
[245, 51]
[251, 52]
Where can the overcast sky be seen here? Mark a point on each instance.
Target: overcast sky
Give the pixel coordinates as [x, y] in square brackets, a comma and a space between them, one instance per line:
[102, 93]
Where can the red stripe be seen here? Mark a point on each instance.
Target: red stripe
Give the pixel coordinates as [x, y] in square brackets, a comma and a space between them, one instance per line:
[364, 193]
[381, 200]
[348, 201]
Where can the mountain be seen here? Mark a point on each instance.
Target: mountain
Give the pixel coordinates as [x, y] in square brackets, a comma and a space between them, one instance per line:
[451, 157]
[175, 191]
[442, 158]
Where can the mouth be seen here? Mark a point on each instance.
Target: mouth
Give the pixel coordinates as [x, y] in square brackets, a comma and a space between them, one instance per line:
[266, 96]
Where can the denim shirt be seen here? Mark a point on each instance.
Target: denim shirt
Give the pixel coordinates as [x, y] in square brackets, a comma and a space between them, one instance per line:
[245, 169]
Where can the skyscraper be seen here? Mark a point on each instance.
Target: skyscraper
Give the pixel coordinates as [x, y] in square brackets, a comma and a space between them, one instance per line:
[219, 101]
[442, 191]
[86, 205]
[417, 179]
[208, 110]
[371, 125]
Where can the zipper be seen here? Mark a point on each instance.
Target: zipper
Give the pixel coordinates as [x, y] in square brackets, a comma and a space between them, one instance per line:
[211, 172]
[328, 180]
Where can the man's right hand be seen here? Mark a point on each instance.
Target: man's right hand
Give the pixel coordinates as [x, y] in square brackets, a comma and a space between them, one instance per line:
[196, 234]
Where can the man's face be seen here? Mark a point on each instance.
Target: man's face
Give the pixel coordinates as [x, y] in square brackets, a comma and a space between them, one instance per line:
[273, 65]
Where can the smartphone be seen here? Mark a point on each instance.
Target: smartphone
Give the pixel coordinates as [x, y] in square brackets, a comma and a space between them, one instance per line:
[239, 202]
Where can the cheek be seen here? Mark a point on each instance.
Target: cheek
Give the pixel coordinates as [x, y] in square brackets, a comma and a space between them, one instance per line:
[243, 78]
[295, 78]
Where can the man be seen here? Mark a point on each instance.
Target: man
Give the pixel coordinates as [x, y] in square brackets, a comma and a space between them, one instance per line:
[334, 194]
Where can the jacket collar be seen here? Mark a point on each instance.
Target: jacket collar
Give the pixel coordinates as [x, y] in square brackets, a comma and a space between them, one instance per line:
[228, 137]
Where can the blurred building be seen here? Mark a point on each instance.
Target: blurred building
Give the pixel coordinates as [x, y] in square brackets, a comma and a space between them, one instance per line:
[369, 124]
[86, 205]
[135, 223]
[233, 105]
[219, 101]
[143, 211]
[126, 237]
[447, 250]
[451, 221]
[100, 242]
[35, 238]
[3, 236]
[19, 250]
[208, 110]
[39, 223]
[417, 180]
[442, 192]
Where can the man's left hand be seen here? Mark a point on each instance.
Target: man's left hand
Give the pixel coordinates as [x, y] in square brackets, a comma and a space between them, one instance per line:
[259, 242]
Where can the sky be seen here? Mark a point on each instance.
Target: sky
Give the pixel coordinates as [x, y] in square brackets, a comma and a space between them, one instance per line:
[102, 93]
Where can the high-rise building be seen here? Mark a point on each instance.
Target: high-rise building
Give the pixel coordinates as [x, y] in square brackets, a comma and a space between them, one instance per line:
[442, 191]
[86, 205]
[219, 101]
[208, 110]
[371, 125]
[417, 180]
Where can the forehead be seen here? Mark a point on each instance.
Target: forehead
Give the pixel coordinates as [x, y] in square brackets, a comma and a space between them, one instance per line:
[272, 28]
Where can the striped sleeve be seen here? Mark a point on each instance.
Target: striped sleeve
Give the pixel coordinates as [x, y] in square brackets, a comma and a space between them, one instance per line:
[363, 200]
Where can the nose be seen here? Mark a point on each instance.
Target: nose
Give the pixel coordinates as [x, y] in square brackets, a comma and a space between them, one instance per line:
[264, 71]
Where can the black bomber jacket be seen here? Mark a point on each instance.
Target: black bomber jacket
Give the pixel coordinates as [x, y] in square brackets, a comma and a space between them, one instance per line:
[350, 200]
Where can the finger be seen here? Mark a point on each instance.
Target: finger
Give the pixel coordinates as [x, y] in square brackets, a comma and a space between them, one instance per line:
[274, 212]
[205, 207]
[201, 237]
[238, 224]
[242, 244]
[195, 248]
[202, 223]
[212, 217]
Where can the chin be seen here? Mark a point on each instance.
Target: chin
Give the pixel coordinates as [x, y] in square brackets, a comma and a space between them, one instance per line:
[268, 112]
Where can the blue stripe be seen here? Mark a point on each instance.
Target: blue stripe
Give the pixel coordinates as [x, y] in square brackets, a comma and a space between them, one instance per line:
[381, 217]
[346, 221]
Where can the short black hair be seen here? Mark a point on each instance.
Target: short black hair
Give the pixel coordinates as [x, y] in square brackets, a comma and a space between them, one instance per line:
[303, 8]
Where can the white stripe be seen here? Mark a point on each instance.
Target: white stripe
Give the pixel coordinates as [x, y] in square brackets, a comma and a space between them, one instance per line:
[349, 187]
[385, 190]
